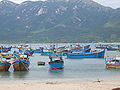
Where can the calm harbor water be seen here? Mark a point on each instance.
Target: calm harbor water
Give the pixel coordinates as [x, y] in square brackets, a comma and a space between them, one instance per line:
[75, 69]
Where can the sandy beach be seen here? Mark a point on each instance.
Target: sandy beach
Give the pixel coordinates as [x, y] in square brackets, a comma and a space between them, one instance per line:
[95, 85]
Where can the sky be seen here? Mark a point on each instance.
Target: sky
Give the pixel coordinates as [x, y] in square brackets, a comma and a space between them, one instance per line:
[108, 3]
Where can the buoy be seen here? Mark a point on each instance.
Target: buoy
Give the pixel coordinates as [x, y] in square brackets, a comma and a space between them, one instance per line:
[41, 63]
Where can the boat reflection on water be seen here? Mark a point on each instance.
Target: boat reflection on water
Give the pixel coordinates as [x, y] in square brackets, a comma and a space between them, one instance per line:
[20, 74]
[113, 69]
[6, 74]
[58, 72]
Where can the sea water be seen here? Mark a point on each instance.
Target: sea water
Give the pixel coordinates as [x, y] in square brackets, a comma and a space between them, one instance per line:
[84, 69]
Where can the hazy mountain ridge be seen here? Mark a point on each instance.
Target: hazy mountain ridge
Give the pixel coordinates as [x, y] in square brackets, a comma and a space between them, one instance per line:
[58, 21]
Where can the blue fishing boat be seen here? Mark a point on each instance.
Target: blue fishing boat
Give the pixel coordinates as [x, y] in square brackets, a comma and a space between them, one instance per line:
[86, 47]
[102, 46]
[63, 53]
[18, 55]
[39, 50]
[5, 49]
[28, 52]
[60, 48]
[79, 48]
[56, 62]
[112, 62]
[94, 54]
[113, 48]
[47, 53]
[109, 47]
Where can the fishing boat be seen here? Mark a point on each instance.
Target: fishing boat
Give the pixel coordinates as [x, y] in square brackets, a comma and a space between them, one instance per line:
[75, 49]
[39, 50]
[56, 62]
[21, 65]
[109, 47]
[4, 65]
[93, 54]
[86, 47]
[17, 55]
[7, 56]
[112, 62]
[47, 53]
[28, 52]
[22, 46]
[4, 49]
[63, 53]
[114, 48]
[102, 46]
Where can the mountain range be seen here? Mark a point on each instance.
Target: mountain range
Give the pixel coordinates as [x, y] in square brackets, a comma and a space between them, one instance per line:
[58, 21]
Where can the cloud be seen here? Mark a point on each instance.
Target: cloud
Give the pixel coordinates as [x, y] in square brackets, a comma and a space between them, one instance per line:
[110, 3]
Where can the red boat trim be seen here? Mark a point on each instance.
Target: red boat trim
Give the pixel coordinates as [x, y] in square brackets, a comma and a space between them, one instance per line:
[58, 68]
[113, 64]
[20, 61]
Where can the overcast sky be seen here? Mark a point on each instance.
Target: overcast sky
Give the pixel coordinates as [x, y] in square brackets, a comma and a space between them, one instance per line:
[110, 3]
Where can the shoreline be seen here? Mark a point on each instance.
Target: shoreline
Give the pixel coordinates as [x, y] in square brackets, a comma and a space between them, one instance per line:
[17, 80]
[65, 43]
[69, 85]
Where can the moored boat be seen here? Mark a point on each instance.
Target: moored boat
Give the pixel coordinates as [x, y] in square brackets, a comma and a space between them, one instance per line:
[28, 52]
[39, 50]
[7, 56]
[4, 65]
[112, 62]
[20, 56]
[109, 47]
[47, 53]
[56, 62]
[94, 54]
[21, 65]
[4, 49]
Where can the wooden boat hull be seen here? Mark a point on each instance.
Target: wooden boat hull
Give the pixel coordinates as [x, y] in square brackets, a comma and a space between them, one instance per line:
[29, 52]
[56, 65]
[4, 66]
[7, 56]
[21, 65]
[111, 66]
[112, 63]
